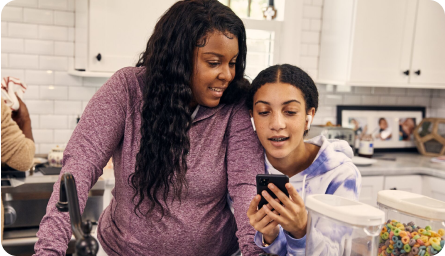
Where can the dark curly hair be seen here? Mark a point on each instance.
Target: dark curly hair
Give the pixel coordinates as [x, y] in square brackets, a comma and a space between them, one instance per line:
[289, 74]
[161, 164]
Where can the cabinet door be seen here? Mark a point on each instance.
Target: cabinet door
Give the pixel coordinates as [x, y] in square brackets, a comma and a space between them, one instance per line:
[434, 187]
[119, 31]
[382, 41]
[410, 183]
[370, 187]
[429, 42]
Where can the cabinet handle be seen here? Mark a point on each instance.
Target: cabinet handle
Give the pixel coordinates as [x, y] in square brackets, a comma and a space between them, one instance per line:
[406, 72]
[98, 56]
[393, 189]
[417, 72]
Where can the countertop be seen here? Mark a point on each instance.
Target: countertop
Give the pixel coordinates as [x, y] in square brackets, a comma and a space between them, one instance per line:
[403, 164]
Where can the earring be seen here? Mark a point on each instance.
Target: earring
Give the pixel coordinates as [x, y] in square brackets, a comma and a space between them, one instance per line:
[253, 124]
[308, 119]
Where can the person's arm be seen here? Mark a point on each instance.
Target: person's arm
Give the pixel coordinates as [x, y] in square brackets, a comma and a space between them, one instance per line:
[244, 159]
[94, 140]
[18, 149]
[21, 117]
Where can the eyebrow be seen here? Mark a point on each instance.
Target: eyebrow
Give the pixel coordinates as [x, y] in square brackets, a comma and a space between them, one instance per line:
[284, 103]
[219, 55]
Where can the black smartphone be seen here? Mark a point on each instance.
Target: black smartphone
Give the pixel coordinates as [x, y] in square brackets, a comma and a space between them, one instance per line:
[279, 180]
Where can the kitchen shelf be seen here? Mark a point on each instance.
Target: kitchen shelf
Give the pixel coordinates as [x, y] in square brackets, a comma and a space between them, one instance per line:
[90, 74]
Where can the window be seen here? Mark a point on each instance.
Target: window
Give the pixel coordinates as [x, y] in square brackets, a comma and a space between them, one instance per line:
[247, 8]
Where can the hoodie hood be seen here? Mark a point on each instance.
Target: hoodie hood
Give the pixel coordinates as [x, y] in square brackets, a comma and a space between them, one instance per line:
[332, 154]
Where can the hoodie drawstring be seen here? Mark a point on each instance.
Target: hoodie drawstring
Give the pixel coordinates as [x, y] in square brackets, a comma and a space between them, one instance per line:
[303, 190]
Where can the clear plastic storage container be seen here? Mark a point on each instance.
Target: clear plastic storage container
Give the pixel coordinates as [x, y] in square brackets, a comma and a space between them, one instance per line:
[415, 224]
[339, 226]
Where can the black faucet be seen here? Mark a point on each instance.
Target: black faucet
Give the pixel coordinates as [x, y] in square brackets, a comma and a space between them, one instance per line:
[86, 245]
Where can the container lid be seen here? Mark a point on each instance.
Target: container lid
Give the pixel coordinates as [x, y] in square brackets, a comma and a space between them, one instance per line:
[413, 204]
[345, 210]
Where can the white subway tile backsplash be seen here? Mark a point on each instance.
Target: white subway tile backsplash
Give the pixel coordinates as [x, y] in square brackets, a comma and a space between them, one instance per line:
[32, 93]
[35, 121]
[81, 93]
[314, 50]
[422, 101]
[41, 77]
[442, 93]
[17, 73]
[405, 101]
[23, 61]
[330, 99]
[72, 121]
[62, 136]
[4, 60]
[414, 92]
[71, 34]
[362, 90]
[49, 92]
[306, 24]
[397, 91]
[53, 33]
[4, 29]
[387, 100]
[24, 3]
[352, 100]
[315, 25]
[304, 50]
[21, 30]
[438, 102]
[439, 113]
[63, 78]
[64, 49]
[54, 4]
[64, 18]
[380, 90]
[13, 45]
[53, 122]
[43, 136]
[94, 81]
[38, 16]
[39, 46]
[12, 14]
[45, 148]
[53, 63]
[40, 106]
[71, 5]
[370, 100]
[310, 37]
[343, 89]
[313, 12]
[326, 111]
[84, 105]
[68, 107]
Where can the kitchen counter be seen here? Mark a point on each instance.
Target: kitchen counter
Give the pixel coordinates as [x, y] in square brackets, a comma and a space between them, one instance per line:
[389, 164]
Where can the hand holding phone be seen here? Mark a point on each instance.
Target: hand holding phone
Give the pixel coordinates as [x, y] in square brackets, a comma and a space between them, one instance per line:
[262, 180]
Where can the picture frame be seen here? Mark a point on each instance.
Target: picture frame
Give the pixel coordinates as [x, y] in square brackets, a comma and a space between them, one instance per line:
[390, 127]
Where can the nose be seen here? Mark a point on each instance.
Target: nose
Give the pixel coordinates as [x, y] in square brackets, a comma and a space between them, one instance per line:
[227, 73]
[277, 122]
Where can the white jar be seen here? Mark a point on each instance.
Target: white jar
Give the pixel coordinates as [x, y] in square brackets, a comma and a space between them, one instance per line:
[55, 157]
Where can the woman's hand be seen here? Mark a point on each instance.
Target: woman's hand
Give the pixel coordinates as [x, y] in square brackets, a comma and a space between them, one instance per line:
[292, 215]
[262, 222]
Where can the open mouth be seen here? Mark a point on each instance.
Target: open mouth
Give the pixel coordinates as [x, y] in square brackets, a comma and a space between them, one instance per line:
[278, 139]
[216, 89]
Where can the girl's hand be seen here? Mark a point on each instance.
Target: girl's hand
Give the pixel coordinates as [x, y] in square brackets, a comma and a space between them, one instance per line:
[262, 222]
[292, 215]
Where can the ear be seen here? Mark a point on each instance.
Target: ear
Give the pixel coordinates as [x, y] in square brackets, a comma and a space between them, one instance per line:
[253, 124]
[308, 120]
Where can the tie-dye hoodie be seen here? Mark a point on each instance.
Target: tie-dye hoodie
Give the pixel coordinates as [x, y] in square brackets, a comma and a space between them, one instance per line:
[332, 172]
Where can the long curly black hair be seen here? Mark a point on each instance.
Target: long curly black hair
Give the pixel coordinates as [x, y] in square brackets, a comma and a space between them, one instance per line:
[289, 74]
[161, 164]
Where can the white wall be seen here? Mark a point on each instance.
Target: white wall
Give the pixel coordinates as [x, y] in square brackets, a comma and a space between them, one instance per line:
[331, 95]
[38, 36]
[37, 47]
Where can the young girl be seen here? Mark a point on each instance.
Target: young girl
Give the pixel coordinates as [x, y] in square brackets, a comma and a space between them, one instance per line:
[282, 103]
[180, 136]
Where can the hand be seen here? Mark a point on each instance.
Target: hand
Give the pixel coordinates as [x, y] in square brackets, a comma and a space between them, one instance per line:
[21, 116]
[292, 215]
[262, 222]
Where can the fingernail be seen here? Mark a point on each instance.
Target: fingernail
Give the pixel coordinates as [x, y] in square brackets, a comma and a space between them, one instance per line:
[271, 186]
[264, 193]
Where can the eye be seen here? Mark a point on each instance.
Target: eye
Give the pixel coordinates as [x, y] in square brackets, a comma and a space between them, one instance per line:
[263, 113]
[213, 64]
[291, 113]
[232, 64]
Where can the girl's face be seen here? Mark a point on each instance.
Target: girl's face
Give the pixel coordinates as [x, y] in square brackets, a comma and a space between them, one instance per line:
[279, 112]
[214, 68]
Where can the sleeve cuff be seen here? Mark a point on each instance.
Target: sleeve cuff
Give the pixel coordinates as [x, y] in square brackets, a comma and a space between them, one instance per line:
[294, 243]
[278, 246]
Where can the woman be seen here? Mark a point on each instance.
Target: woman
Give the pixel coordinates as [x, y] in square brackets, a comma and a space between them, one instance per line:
[282, 102]
[180, 139]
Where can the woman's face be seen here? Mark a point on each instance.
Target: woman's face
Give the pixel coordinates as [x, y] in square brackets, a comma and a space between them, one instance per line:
[214, 68]
[280, 118]
[383, 124]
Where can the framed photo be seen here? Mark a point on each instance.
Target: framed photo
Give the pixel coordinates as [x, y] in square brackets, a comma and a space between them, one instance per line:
[391, 127]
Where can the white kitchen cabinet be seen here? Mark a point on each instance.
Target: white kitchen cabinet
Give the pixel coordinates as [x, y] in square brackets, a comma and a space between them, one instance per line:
[434, 187]
[370, 186]
[383, 43]
[410, 183]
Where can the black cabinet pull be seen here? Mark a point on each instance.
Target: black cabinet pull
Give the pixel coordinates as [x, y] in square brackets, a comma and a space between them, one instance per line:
[99, 57]
[393, 189]
[406, 72]
[417, 72]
